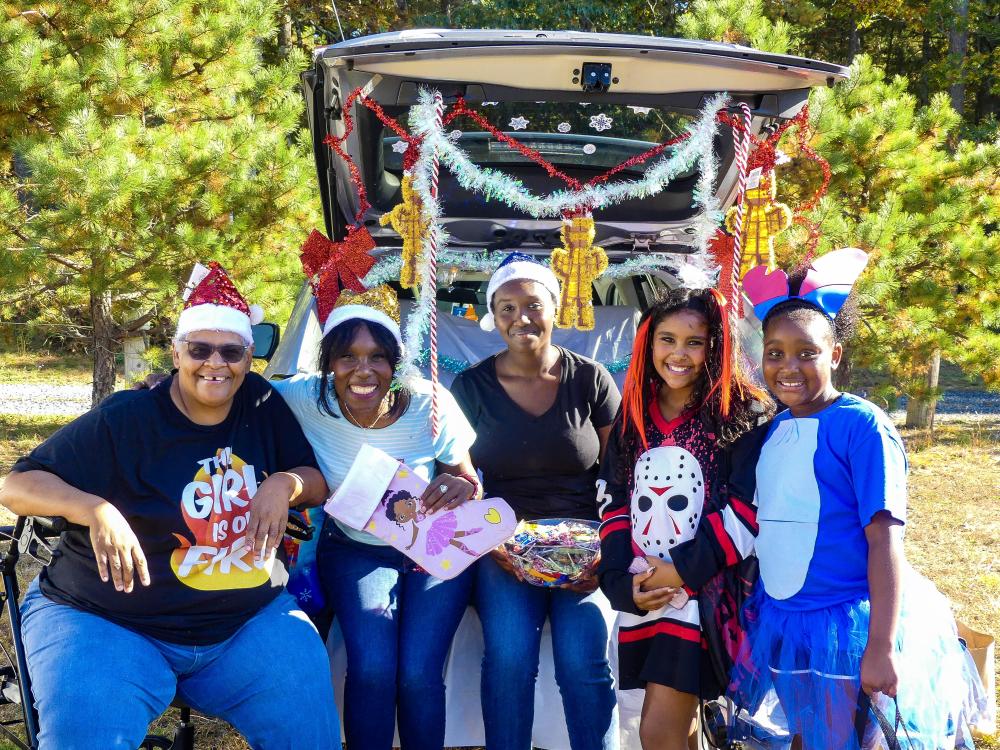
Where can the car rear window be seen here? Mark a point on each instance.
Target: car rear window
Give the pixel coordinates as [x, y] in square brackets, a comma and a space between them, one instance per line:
[571, 134]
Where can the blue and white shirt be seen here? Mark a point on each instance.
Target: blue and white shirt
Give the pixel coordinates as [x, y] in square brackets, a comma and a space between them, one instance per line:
[820, 481]
[336, 442]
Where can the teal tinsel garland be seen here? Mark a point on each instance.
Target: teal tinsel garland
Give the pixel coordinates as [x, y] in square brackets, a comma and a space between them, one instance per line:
[455, 365]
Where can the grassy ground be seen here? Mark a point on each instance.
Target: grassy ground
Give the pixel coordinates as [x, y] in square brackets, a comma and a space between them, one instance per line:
[50, 369]
[953, 533]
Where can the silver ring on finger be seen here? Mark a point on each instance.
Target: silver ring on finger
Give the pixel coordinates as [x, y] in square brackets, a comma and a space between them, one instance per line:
[442, 488]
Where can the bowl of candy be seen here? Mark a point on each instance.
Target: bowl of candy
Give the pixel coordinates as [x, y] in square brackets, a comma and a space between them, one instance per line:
[554, 551]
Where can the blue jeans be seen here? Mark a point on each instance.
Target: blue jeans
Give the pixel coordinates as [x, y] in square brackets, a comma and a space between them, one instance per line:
[98, 684]
[513, 614]
[398, 624]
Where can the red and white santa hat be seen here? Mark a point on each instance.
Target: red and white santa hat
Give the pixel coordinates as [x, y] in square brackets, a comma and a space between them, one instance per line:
[212, 303]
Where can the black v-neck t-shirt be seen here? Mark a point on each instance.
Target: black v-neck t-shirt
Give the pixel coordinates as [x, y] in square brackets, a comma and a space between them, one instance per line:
[545, 466]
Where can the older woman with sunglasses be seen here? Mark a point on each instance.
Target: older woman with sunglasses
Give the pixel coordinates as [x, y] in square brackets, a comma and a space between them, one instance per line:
[169, 582]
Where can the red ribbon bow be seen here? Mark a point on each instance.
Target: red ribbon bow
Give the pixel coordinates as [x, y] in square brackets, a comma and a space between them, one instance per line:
[335, 266]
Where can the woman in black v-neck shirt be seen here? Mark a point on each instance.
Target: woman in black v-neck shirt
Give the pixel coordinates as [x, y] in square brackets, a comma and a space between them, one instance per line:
[542, 416]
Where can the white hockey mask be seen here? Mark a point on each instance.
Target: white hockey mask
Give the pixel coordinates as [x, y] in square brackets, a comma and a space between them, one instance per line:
[667, 499]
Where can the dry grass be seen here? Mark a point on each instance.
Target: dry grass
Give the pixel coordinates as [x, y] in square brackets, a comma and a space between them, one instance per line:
[50, 369]
[20, 433]
[953, 534]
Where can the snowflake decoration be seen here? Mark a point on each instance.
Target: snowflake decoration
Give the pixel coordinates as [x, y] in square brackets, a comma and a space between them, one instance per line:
[454, 135]
[641, 110]
[589, 149]
[490, 104]
[564, 127]
[781, 157]
[518, 123]
[601, 122]
[400, 147]
[584, 104]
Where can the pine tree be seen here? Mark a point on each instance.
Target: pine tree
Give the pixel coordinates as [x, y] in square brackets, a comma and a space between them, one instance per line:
[926, 206]
[923, 203]
[136, 137]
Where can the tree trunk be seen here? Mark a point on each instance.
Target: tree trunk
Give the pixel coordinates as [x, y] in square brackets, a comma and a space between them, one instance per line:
[103, 341]
[925, 59]
[853, 41]
[842, 375]
[920, 411]
[958, 46]
[285, 35]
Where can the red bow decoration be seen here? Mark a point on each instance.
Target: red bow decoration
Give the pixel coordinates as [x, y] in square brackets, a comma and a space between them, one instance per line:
[335, 266]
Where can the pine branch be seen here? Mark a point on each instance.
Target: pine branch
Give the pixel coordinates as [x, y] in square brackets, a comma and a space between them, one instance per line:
[137, 323]
[63, 262]
[135, 21]
[51, 22]
[32, 292]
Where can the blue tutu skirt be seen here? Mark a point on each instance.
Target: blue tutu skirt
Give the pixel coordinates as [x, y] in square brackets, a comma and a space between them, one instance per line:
[799, 672]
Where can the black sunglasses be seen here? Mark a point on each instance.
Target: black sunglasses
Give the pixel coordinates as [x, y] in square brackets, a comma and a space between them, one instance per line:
[201, 351]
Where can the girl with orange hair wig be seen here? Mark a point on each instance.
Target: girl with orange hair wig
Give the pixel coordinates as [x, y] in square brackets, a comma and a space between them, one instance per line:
[678, 518]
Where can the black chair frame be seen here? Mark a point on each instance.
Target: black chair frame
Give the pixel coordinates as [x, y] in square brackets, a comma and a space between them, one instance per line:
[35, 537]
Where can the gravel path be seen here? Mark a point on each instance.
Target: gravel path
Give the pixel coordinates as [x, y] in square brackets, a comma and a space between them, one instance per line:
[38, 399]
[70, 400]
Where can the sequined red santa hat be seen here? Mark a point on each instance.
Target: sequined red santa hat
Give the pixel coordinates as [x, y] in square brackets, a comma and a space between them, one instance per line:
[212, 303]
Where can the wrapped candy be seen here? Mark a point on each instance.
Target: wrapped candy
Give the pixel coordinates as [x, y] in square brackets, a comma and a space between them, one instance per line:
[554, 551]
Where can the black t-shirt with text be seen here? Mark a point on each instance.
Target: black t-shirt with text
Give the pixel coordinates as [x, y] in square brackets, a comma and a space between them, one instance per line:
[186, 490]
[546, 466]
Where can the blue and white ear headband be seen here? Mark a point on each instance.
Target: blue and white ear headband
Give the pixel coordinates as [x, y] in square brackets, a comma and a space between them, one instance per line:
[517, 267]
[827, 284]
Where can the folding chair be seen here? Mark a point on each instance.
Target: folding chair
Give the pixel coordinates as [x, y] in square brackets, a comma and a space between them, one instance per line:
[35, 537]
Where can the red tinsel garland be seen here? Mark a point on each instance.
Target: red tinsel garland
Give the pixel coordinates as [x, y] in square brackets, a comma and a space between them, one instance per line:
[461, 109]
[720, 247]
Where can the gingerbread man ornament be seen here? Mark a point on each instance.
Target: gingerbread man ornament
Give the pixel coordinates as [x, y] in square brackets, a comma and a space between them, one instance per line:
[763, 218]
[576, 264]
[408, 220]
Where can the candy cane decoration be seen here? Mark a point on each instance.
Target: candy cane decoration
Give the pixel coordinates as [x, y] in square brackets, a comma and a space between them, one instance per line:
[431, 286]
[742, 153]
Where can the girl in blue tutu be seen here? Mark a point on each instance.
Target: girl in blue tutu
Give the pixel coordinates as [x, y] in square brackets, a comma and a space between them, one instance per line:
[838, 615]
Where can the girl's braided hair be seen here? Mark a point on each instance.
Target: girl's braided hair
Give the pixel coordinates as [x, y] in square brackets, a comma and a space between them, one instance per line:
[724, 396]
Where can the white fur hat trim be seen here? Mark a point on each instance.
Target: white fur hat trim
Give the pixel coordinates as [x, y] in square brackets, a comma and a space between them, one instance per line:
[350, 312]
[209, 317]
[519, 270]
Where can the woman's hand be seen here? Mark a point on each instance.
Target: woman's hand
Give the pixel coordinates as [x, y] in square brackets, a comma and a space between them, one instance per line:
[116, 547]
[878, 670]
[585, 584]
[269, 512]
[653, 599]
[502, 559]
[446, 491]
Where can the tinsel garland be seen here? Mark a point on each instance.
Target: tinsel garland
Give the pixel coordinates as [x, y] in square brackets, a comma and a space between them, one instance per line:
[688, 268]
[494, 185]
[482, 261]
[695, 147]
[455, 365]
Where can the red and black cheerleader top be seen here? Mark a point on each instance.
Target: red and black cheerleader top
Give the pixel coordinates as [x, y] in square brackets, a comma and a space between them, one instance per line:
[676, 501]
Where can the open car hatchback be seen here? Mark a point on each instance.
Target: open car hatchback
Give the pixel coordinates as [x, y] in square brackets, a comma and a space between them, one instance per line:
[585, 103]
